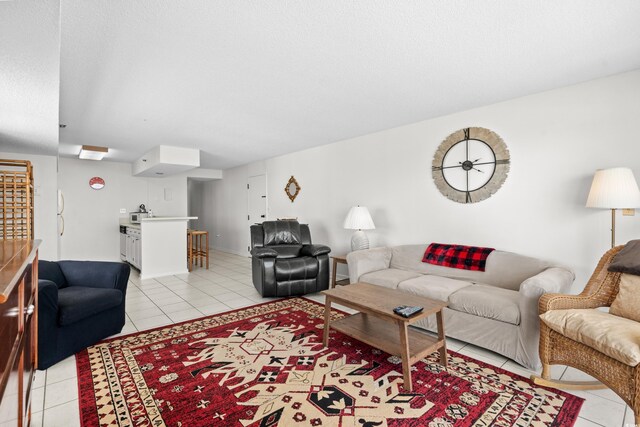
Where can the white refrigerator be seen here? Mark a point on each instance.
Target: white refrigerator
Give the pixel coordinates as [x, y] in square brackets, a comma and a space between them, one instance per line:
[60, 219]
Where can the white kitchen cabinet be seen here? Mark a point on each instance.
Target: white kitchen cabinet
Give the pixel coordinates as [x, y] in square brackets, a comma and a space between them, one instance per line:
[134, 247]
[137, 252]
[129, 249]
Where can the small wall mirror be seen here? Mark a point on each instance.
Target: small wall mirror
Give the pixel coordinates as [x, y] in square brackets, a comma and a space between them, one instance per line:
[292, 189]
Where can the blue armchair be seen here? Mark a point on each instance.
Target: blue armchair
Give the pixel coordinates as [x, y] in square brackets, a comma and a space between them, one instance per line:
[79, 303]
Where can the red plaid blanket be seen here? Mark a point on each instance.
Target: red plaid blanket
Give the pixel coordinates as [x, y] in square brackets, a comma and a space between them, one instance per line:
[457, 256]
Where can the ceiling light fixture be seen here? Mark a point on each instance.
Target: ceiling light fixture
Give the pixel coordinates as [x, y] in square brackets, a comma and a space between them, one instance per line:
[92, 152]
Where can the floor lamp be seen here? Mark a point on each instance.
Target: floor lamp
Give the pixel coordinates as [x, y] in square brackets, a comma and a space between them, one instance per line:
[613, 189]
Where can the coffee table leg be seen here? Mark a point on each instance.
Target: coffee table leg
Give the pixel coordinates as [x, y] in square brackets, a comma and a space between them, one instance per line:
[327, 321]
[406, 362]
[333, 273]
[441, 336]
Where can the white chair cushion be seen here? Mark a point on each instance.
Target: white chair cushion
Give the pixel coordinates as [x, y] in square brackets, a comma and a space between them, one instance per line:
[615, 336]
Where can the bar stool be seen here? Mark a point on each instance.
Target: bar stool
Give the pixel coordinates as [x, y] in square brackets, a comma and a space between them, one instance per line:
[197, 247]
[189, 248]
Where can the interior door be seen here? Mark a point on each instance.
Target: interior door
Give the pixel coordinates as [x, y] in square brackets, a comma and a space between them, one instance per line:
[257, 201]
[257, 187]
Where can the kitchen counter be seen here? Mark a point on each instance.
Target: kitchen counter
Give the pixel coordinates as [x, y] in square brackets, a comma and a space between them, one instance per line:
[163, 245]
[168, 218]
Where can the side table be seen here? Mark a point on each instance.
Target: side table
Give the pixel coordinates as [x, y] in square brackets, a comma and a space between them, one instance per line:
[337, 259]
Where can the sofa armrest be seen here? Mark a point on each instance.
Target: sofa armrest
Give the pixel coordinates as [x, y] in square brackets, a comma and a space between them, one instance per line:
[264, 253]
[551, 280]
[47, 322]
[554, 279]
[96, 274]
[314, 250]
[366, 261]
[47, 296]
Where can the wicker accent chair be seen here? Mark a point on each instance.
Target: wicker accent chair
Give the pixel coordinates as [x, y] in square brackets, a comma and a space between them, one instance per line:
[556, 349]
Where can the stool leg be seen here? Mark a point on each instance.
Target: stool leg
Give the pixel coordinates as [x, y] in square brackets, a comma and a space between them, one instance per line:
[207, 249]
[200, 250]
[189, 253]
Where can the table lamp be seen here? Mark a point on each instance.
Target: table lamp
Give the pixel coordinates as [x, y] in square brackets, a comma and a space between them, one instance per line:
[614, 188]
[359, 219]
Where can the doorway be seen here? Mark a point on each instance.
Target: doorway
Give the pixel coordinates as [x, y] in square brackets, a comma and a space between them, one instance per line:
[195, 204]
[257, 202]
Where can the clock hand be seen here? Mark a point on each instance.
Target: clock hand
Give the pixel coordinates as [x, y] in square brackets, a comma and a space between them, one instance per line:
[467, 183]
[466, 142]
[438, 168]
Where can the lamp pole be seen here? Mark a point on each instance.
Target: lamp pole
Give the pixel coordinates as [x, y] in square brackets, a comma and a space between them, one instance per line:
[613, 227]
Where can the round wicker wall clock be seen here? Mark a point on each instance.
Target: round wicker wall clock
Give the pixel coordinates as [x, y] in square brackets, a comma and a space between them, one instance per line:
[470, 165]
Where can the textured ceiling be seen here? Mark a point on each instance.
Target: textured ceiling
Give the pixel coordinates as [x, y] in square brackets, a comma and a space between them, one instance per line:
[29, 76]
[247, 80]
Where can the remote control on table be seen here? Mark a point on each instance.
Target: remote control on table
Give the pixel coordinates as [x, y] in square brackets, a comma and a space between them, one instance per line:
[407, 311]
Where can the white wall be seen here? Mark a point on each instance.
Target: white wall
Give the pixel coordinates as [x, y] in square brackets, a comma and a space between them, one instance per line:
[195, 196]
[226, 203]
[45, 221]
[92, 216]
[557, 140]
[29, 101]
[30, 76]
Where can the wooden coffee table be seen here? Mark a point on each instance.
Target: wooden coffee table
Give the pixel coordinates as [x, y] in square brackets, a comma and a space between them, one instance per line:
[377, 325]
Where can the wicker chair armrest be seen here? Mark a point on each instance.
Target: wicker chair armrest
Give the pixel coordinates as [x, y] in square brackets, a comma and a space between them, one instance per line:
[564, 302]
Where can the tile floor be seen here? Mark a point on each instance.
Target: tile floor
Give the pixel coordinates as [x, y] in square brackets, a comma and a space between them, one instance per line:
[227, 285]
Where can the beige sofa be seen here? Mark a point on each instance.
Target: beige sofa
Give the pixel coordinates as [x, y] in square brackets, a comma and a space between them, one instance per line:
[496, 309]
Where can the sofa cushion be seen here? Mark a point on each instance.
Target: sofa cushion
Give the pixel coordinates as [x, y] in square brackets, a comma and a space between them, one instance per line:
[389, 277]
[435, 287]
[78, 302]
[503, 269]
[488, 302]
[296, 268]
[617, 337]
[627, 302]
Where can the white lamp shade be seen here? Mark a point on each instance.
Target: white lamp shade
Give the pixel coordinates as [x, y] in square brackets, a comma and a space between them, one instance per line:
[614, 188]
[359, 218]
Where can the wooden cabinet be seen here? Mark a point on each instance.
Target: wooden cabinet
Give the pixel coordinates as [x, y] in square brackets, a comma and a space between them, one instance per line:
[18, 328]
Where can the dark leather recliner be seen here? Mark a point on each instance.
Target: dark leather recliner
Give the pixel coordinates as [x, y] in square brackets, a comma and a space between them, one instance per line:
[79, 303]
[285, 262]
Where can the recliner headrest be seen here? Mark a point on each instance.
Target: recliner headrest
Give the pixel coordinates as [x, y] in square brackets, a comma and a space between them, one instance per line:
[281, 233]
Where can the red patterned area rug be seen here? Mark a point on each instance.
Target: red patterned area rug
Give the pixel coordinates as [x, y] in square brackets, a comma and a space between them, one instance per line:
[264, 366]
